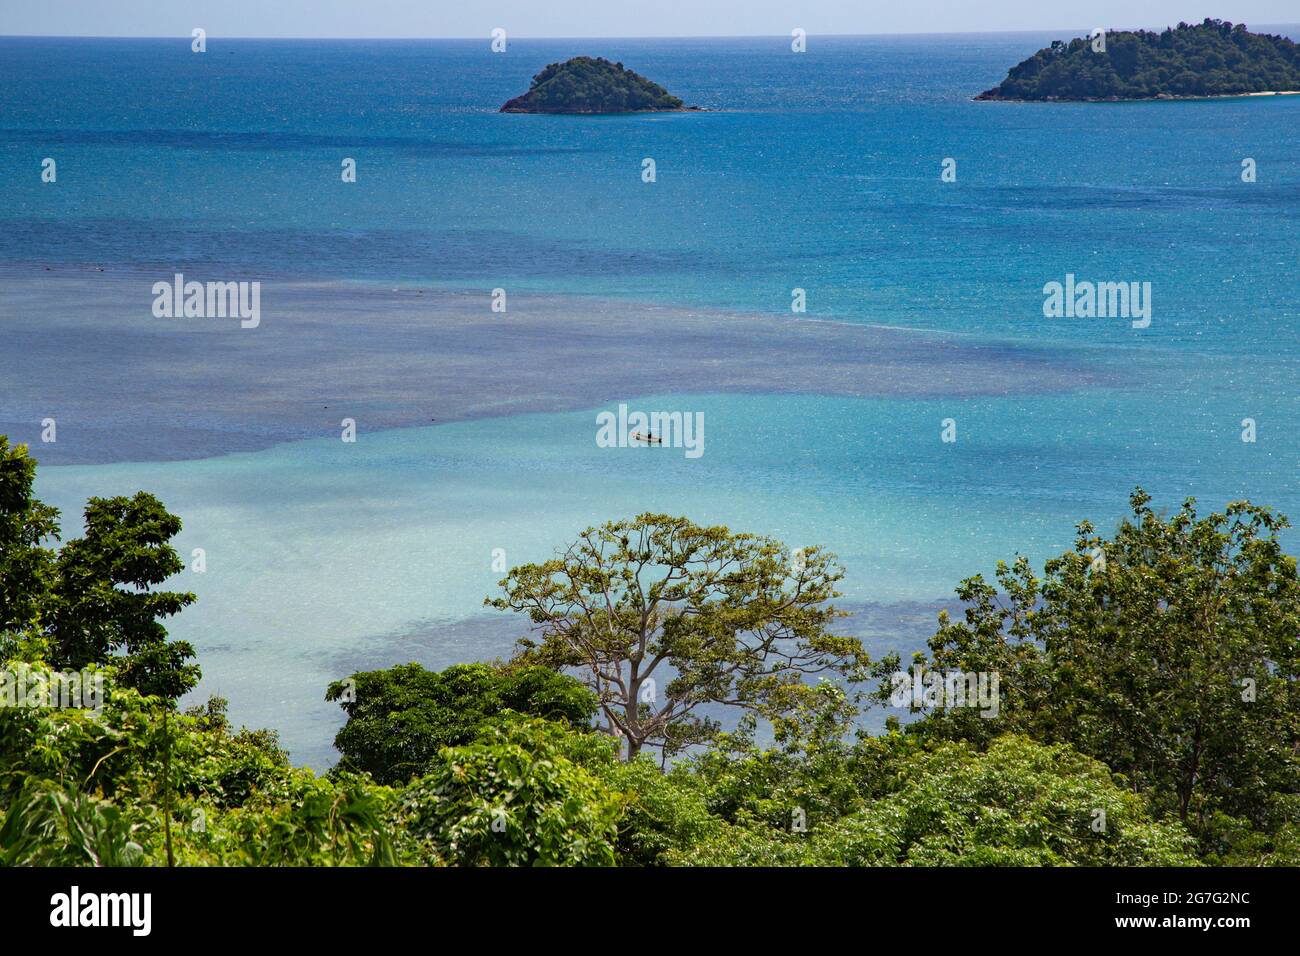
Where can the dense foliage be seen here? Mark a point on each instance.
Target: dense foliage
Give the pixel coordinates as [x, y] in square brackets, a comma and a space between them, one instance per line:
[1017, 803]
[511, 798]
[1147, 717]
[93, 597]
[1213, 58]
[591, 85]
[399, 719]
[1168, 651]
[660, 616]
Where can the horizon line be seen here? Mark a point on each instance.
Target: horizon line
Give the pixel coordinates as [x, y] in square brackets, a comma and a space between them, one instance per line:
[512, 37]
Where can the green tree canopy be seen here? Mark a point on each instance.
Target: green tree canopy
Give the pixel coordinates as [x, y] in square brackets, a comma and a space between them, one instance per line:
[26, 566]
[1213, 58]
[587, 84]
[95, 599]
[1019, 803]
[399, 718]
[1168, 651]
[661, 616]
[512, 799]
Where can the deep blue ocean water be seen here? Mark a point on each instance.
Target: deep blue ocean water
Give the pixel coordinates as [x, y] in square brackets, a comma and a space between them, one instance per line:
[819, 171]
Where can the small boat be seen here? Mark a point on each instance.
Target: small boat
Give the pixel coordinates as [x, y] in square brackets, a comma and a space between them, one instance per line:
[647, 438]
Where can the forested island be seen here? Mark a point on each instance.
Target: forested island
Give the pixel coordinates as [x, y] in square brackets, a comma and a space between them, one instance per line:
[1214, 58]
[1132, 703]
[587, 84]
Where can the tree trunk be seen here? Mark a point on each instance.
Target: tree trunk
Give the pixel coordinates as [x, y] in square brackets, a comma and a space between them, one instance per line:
[632, 716]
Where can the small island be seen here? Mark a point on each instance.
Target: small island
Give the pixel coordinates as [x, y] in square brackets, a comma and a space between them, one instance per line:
[587, 84]
[1214, 58]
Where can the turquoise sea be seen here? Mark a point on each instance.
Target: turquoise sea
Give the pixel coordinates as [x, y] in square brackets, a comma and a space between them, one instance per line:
[818, 171]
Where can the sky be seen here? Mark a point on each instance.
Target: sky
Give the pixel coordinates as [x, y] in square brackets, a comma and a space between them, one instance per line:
[609, 18]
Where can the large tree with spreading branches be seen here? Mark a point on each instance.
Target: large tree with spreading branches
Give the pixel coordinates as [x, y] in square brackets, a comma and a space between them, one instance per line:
[662, 618]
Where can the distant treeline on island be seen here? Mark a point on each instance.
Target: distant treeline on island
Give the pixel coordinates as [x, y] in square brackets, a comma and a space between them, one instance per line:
[1214, 58]
[587, 84]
